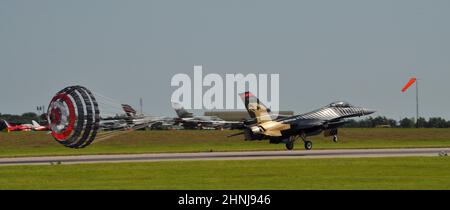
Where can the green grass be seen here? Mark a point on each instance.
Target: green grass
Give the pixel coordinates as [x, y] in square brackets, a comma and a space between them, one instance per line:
[41, 143]
[343, 173]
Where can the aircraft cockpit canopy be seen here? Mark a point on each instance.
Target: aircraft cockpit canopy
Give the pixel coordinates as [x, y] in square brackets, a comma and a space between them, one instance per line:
[340, 104]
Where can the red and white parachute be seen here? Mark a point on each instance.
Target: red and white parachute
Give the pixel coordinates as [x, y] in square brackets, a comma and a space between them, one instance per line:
[74, 117]
[75, 121]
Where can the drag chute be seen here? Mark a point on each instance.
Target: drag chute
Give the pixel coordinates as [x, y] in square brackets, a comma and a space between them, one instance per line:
[75, 121]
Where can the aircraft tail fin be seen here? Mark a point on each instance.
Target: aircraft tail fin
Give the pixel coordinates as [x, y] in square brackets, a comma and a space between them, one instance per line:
[181, 112]
[255, 108]
[129, 110]
[35, 124]
[6, 123]
[8, 126]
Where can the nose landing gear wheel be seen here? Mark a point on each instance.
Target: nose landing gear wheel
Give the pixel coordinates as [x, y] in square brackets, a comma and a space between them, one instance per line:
[308, 145]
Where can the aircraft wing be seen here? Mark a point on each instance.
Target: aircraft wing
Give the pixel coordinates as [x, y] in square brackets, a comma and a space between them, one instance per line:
[308, 123]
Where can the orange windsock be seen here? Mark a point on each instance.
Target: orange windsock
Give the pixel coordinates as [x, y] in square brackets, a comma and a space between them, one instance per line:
[411, 81]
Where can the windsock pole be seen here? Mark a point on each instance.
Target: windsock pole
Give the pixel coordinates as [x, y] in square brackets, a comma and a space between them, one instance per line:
[411, 82]
[417, 103]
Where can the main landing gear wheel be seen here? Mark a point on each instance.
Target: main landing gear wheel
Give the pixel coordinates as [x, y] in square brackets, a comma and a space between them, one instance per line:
[335, 138]
[308, 145]
[290, 145]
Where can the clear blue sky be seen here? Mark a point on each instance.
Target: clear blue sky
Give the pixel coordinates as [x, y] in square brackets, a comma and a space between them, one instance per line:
[324, 50]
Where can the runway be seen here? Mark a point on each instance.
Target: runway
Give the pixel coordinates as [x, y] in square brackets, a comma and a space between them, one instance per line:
[338, 153]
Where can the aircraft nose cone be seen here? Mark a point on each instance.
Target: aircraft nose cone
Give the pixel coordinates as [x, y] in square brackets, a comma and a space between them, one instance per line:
[366, 111]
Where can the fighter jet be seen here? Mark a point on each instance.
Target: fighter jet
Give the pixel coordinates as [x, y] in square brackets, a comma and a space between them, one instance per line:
[113, 123]
[38, 127]
[287, 130]
[21, 127]
[141, 121]
[189, 121]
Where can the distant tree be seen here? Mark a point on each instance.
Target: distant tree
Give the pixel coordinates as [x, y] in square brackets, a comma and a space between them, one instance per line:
[351, 124]
[43, 117]
[377, 121]
[392, 123]
[437, 122]
[407, 123]
[30, 115]
[20, 119]
[9, 118]
[380, 121]
[365, 123]
[422, 123]
[370, 122]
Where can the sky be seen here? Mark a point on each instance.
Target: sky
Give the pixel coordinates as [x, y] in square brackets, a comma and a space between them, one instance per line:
[358, 51]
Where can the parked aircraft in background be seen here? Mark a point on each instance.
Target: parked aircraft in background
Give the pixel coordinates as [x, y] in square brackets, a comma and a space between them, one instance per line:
[38, 127]
[189, 121]
[22, 127]
[287, 130]
[111, 124]
[141, 121]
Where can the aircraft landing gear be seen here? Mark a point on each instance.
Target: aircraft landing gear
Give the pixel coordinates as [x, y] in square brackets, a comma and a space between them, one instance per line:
[290, 142]
[290, 145]
[335, 138]
[308, 144]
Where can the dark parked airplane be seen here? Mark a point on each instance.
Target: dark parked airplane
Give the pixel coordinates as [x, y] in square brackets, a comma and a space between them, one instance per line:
[288, 130]
[189, 121]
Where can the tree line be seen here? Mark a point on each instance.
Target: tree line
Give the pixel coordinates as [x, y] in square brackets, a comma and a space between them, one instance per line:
[370, 122]
[25, 118]
[381, 121]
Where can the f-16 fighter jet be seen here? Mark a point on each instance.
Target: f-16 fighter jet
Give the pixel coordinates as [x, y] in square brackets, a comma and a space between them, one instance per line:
[141, 121]
[189, 121]
[287, 130]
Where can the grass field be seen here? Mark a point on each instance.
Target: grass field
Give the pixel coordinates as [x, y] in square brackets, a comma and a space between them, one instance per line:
[361, 173]
[41, 143]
